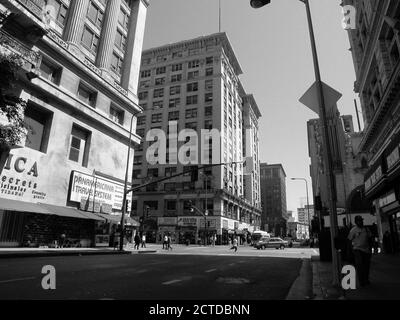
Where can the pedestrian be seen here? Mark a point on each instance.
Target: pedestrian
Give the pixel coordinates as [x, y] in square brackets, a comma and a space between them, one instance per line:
[169, 242]
[234, 244]
[165, 242]
[137, 241]
[360, 238]
[143, 240]
[62, 239]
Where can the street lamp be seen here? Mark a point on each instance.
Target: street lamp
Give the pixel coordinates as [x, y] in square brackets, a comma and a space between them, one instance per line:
[121, 238]
[325, 134]
[206, 177]
[308, 204]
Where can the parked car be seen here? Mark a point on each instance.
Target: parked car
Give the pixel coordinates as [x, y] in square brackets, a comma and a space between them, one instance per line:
[275, 242]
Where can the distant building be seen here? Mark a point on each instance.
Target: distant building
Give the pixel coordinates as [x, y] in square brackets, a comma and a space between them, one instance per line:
[273, 195]
[302, 214]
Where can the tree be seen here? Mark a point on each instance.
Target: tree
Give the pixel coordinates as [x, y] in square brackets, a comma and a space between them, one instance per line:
[11, 107]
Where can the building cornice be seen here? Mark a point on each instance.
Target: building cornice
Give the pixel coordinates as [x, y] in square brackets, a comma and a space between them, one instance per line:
[217, 38]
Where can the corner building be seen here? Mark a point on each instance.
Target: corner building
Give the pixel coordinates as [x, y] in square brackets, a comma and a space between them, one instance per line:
[80, 75]
[195, 83]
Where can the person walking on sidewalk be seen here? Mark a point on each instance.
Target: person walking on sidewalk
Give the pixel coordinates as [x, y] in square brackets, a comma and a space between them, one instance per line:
[137, 241]
[234, 244]
[165, 242]
[360, 238]
[143, 240]
[169, 242]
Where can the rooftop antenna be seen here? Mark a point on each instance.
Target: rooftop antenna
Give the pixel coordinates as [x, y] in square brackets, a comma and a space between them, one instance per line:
[219, 16]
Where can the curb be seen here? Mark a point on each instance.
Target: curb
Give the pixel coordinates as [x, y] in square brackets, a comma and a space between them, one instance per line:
[58, 254]
[300, 289]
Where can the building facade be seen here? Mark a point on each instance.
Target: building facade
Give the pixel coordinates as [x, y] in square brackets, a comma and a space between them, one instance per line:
[80, 82]
[273, 198]
[375, 46]
[186, 88]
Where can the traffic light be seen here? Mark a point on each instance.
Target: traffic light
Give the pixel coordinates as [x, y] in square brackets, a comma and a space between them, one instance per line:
[259, 3]
[194, 174]
[190, 205]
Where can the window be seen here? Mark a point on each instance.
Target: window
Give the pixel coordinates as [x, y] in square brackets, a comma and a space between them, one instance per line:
[188, 185]
[209, 60]
[38, 122]
[95, 14]
[193, 64]
[50, 72]
[116, 63]
[158, 93]
[159, 81]
[190, 87]
[120, 40]
[191, 100]
[60, 11]
[193, 52]
[87, 95]
[143, 95]
[208, 111]
[158, 104]
[170, 204]
[191, 113]
[177, 54]
[177, 67]
[170, 171]
[191, 125]
[208, 124]
[155, 118]
[160, 70]
[208, 97]
[145, 73]
[208, 85]
[141, 120]
[137, 160]
[140, 132]
[136, 174]
[174, 90]
[162, 58]
[193, 75]
[176, 77]
[123, 19]
[79, 145]
[209, 72]
[174, 115]
[144, 84]
[152, 172]
[116, 114]
[174, 102]
[89, 39]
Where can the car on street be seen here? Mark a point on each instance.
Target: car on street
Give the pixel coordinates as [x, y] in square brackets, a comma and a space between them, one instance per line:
[274, 242]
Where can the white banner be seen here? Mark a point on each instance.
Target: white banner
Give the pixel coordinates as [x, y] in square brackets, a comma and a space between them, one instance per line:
[96, 189]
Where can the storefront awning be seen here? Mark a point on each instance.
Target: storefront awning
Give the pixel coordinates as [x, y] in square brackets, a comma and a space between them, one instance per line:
[42, 208]
[21, 206]
[68, 212]
[117, 219]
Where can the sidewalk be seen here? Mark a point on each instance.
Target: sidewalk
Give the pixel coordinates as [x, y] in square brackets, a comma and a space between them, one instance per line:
[384, 277]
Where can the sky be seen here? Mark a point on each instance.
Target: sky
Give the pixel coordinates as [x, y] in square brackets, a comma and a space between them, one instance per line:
[273, 48]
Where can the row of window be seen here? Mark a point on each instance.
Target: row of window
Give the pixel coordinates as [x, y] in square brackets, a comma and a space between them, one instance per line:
[52, 73]
[193, 99]
[178, 76]
[176, 67]
[208, 84]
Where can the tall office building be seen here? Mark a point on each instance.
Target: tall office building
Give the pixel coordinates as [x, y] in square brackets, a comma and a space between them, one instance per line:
[375, 46]
[273, 198]
[79, 78]
[194, 84]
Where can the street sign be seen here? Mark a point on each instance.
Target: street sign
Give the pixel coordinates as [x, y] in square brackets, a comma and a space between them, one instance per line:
[310, 98]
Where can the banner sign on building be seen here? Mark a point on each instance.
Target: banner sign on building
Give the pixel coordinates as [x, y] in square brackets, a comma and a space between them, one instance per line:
[187, 222]
[98, 191]
[167, 221]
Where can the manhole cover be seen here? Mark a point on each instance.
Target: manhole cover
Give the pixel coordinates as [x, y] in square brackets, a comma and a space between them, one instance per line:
[233, 280]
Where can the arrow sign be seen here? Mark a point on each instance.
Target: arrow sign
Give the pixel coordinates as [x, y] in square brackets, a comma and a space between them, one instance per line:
[310, 98]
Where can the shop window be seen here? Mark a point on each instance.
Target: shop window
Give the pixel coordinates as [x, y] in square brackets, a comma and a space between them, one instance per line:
[38, 122]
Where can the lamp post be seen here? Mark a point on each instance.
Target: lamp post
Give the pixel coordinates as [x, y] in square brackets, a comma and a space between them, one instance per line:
[327, 150]
[206, 208]
[308, 204]
[121, 238]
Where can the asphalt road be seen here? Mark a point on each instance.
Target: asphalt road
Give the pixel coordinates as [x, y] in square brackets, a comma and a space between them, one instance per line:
[167, 276]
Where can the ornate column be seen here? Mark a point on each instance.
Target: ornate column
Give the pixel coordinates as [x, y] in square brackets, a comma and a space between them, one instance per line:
[75, 23]
[107, 38]
[133, 54]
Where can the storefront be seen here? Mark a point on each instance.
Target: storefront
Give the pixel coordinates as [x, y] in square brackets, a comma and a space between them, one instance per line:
[167, 226]
[187, 230]
[382, 187]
